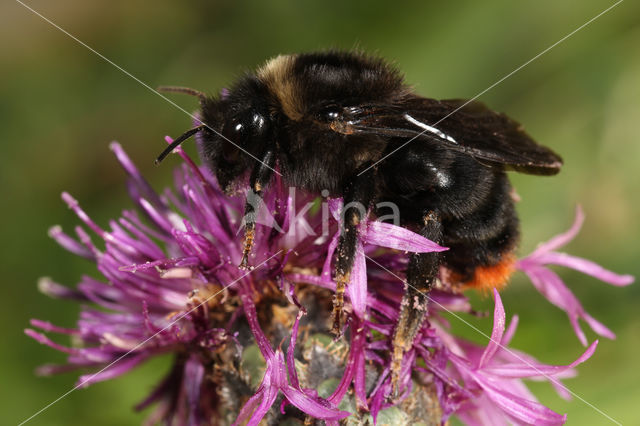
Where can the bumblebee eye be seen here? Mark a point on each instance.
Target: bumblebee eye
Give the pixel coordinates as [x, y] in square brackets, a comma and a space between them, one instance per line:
[259, 124]
[237, 128]
[234, 130]
[251, 124]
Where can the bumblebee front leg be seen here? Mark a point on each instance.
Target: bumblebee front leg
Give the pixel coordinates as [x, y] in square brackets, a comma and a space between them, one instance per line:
[357, 197]
[421, 273]
[260, 177]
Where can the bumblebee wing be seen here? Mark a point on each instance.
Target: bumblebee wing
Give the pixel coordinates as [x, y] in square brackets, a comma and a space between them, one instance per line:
[470, 128]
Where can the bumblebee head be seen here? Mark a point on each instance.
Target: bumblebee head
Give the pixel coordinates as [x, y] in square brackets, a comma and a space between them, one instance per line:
[234, 131]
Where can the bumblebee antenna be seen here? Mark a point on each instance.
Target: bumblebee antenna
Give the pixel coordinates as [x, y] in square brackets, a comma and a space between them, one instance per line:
[185, 90]
[186, 135]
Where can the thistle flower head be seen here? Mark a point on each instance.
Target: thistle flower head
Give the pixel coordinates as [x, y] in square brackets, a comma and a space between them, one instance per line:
[170, 284]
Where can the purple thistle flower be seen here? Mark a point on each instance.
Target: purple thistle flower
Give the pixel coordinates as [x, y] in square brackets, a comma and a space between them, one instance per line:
[551, 286]
[497, 370]
[275, 379]
[171, 285]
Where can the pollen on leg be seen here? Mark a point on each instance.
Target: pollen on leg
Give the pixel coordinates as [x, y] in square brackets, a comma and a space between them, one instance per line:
[338, 303]
[486, 278]
[396, 366]
[249, 235]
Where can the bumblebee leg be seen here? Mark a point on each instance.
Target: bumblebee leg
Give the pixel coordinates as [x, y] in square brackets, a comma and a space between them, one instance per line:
[421, 273]
[260, 177]
[358, 196]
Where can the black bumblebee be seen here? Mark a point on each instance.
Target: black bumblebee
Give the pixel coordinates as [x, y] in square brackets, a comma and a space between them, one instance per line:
[333, 121]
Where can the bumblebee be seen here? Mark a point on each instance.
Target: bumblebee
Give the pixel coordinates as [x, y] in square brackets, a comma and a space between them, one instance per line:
[346, 123]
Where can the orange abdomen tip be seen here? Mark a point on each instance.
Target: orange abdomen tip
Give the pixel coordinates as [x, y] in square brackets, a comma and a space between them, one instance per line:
[486, 278]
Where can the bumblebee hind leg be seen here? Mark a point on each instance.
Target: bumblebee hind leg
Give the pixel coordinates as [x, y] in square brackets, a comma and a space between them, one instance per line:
[421, 274]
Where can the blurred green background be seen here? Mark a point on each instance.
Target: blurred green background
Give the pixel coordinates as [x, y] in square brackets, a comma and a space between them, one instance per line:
[60, 106]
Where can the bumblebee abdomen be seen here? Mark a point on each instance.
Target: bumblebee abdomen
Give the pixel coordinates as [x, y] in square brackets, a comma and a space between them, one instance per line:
[482, 244]
[479, 222]
[487, 277]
